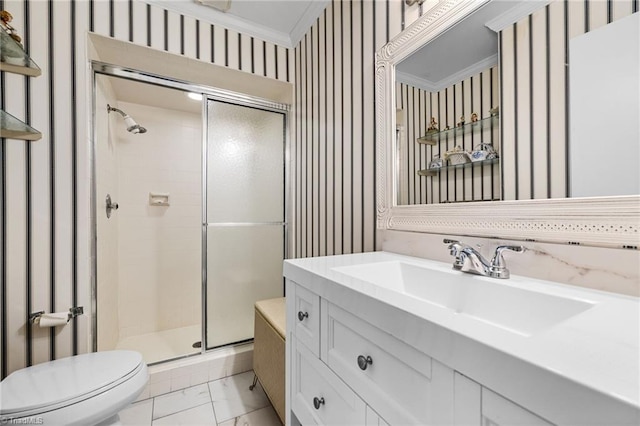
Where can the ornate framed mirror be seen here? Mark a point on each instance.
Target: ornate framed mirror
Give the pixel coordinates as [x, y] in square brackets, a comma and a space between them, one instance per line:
[606, 221]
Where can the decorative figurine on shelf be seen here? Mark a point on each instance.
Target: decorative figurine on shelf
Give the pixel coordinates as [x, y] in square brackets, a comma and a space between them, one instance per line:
[494, 111]
[447, 128]
[5, 18]
[474, 117]
[433, 126]
[437, 162]
[461, 123]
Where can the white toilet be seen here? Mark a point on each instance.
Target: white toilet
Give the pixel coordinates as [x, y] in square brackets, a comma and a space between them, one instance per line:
[80, 390]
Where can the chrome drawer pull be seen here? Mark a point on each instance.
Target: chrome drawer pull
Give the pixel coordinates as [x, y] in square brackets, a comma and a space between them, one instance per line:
[318, 402]
[363, 362]
[302, 315]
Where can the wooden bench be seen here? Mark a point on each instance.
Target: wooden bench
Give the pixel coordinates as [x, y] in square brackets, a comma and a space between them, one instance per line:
[269, 350]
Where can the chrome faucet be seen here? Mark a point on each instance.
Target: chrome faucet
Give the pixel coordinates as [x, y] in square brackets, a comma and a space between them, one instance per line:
[468, 259]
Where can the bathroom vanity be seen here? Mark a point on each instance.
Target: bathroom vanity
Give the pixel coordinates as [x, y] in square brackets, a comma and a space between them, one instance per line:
[385, 339]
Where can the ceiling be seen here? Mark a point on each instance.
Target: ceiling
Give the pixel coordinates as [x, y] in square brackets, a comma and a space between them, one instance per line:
[282, 22]
[467, 48]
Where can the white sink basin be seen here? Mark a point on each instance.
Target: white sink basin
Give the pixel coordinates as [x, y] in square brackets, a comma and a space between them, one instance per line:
[485, 299]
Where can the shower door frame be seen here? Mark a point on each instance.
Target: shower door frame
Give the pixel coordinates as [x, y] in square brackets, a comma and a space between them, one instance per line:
[205, 222]
[208, 94]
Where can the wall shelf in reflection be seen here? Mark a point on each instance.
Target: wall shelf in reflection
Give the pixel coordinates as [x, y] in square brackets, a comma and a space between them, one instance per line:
[480, 125]
[13, 57]
[12, 128]
[434, 172]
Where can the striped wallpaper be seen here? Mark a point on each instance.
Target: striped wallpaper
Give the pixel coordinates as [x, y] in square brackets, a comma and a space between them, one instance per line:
[44, 198]
[333, 126]
[478, 93]
[333, 122]
[535, 93]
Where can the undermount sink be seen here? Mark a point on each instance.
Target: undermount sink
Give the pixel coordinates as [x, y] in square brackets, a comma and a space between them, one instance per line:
[485, 299]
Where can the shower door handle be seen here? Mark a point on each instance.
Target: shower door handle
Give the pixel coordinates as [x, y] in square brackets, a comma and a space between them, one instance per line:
[110, 206]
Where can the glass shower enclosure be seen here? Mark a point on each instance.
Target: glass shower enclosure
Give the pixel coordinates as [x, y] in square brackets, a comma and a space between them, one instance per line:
[244, 229]
[175, 279]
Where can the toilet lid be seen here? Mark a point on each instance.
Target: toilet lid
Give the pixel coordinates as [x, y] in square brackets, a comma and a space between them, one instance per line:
[55, 383]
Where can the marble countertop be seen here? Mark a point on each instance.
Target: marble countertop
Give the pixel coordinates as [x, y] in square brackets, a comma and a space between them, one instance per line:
[598, 349]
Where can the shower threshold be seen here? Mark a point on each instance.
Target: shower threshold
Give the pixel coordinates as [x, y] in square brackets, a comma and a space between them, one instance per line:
[164, 345]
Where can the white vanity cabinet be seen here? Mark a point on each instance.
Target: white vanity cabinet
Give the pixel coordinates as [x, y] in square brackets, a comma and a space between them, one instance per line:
[315, 393]
[362, 375]
[402, 384]
[362, 353]
[475, 405]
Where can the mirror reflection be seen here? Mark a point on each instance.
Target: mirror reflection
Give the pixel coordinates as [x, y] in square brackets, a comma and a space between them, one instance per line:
[482, 112]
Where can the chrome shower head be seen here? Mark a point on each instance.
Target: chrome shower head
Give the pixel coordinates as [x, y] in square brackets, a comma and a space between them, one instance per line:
[132, 126]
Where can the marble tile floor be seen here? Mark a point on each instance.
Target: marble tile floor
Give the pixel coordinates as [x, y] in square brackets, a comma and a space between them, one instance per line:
[224, 402]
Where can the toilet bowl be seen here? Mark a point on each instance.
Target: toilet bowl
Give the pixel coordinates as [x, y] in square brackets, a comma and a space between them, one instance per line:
[80, 390]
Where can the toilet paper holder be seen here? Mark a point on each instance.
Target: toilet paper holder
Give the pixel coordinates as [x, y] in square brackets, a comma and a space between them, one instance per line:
[73, 312]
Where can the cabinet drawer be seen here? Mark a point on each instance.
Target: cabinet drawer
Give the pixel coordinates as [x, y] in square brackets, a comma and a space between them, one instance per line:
[499, 411]
[391, 376]
[318, 396]
[306, 317]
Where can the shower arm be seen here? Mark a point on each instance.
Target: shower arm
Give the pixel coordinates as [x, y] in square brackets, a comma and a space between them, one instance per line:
[110, 108]
[131, 124]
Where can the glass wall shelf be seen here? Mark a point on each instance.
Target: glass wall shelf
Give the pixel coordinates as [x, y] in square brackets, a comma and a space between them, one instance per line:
[435, 171]
[13, 58]
[12, 128]
[432, 138]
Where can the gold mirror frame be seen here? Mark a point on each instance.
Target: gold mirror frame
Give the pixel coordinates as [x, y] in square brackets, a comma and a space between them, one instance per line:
[595, 221]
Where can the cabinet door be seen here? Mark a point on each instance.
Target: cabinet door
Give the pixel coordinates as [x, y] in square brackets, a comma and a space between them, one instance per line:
[318, 396]
[398, 381]
[499, 411]
[305, 318]
[373, 419]
[467, 405]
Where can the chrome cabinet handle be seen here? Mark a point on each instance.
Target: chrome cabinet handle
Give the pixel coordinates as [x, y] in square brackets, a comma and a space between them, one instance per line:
[317, 402]
[363, 362]
[302, 315]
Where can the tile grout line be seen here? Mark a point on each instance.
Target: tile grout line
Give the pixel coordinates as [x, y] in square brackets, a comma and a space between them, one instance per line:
[213, 408]
[181, 411]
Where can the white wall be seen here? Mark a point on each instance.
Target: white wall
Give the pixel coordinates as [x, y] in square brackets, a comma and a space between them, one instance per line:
[605, 106]
[159, 247]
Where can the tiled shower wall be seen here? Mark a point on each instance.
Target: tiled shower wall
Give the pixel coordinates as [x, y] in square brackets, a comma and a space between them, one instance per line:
[159, 247]
[44, 199]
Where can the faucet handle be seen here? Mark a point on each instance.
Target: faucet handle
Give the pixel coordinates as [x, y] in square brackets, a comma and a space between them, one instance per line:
[498, 265]
[455, 247]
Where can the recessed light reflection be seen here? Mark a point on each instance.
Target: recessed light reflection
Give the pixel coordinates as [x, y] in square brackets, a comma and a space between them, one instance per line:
[195, 96]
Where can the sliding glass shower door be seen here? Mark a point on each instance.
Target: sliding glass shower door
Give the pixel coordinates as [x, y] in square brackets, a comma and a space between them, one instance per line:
[245, 216]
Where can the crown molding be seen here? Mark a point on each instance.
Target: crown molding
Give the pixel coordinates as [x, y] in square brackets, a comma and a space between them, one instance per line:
[306, 21]
[431, 86]
[516, 13]
[414, 81]
[216, 17]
